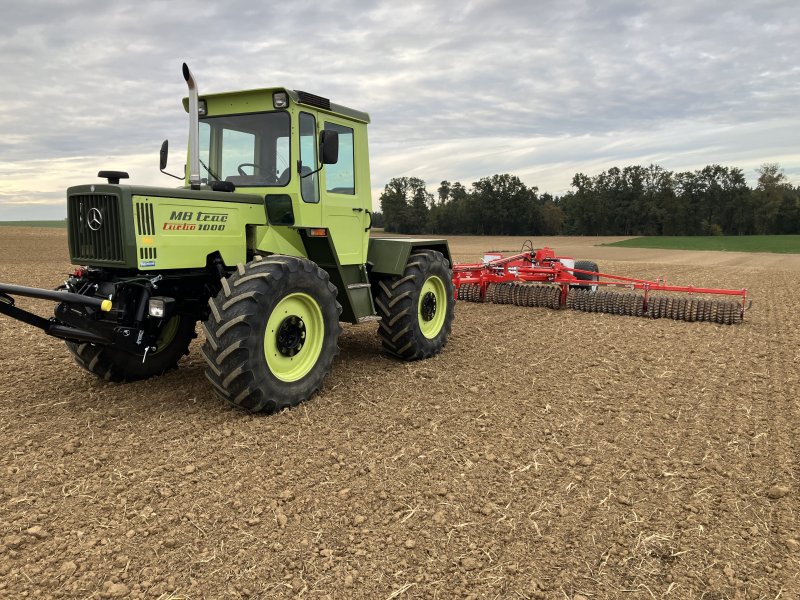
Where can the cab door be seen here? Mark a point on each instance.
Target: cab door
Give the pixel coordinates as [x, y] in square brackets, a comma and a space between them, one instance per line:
[345, 205]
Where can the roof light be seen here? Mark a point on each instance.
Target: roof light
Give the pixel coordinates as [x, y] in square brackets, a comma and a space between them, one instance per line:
[280, 100]
[202, 108]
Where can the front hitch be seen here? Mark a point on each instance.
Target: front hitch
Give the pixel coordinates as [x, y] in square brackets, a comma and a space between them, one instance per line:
[50, 326]
[7, 290]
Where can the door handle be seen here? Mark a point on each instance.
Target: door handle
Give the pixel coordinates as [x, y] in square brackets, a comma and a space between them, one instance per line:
[358, 209]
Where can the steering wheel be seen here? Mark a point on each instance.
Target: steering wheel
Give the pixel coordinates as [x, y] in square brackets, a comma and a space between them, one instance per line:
[268, 177]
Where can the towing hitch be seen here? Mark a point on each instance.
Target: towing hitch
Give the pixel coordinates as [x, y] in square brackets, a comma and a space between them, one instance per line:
[50, 326]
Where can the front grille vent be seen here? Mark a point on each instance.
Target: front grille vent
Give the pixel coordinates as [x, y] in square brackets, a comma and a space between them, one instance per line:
[95, 228]
[147, 253]
[145, 223]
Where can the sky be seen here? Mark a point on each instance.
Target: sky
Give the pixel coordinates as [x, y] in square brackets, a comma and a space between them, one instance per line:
[456, 90]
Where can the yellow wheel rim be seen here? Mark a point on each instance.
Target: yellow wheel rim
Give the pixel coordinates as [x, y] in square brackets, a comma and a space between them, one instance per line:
[293, 337]
[167, 334]
[432, 307]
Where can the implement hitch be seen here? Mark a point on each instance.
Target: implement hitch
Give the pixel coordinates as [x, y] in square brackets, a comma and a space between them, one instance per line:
[50, 326]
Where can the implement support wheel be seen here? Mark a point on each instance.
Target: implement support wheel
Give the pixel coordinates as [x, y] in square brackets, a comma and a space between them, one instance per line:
[587, 265]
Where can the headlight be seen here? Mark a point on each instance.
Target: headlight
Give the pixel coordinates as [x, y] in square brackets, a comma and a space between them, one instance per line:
[160, 307]
[280, 100]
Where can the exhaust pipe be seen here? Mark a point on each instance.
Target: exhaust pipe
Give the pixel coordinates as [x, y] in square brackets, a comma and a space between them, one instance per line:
[194, 128]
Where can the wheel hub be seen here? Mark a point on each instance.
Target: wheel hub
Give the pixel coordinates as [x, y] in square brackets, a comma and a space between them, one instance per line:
[428, 307]
[291, 335]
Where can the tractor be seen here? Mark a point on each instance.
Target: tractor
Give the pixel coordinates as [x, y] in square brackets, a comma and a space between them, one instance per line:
[267, 244]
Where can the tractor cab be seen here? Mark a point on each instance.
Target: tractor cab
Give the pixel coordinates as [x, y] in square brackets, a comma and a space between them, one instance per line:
[306, 156]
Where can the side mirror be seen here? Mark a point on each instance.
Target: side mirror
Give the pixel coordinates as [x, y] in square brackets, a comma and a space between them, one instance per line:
[163, 160]
[164, 155]
[328, 147]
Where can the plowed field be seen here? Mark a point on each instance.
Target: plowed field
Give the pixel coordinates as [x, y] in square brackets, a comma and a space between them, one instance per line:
[544, 454]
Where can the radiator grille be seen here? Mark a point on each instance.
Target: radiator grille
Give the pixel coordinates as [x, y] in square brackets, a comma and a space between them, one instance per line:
[95, 228]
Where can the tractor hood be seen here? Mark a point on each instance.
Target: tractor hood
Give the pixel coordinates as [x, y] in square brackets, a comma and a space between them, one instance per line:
[124, 226]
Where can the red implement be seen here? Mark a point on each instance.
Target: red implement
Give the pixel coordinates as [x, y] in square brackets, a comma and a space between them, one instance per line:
[540, 278]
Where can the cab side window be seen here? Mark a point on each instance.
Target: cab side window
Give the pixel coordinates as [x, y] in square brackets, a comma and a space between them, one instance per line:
[340, 178]
[309, 184]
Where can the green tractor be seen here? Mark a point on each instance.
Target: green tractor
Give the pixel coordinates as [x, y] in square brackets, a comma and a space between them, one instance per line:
[267, 245]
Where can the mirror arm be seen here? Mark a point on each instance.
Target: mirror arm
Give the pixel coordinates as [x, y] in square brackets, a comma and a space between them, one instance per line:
[171, 175]
[299, 166]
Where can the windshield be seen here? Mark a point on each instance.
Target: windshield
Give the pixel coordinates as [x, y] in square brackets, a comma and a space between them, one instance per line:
[247, 150]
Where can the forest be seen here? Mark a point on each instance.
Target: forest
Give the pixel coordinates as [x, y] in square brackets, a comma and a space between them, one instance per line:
[635, 200]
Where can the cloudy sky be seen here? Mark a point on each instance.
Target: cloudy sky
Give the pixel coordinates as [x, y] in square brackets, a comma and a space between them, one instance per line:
[457, 90]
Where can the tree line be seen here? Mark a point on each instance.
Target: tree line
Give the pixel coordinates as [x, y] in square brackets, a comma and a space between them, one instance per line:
[634, 200]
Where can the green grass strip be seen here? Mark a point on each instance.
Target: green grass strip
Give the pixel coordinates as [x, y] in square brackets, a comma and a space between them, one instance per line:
[782, 244]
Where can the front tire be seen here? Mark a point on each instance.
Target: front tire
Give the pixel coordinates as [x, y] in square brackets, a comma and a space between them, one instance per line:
[272, 333]
[416, 308]
[111, 364]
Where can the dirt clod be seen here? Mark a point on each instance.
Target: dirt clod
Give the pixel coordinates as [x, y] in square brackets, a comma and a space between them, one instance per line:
[37, 531]
[68, 568]
[729, 572]
[117, 590]
[777, 491]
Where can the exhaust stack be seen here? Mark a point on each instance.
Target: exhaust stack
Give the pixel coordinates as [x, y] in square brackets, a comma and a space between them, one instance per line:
[194, 128]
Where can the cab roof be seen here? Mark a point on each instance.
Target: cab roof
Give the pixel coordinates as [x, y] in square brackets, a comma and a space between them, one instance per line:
[296, 96]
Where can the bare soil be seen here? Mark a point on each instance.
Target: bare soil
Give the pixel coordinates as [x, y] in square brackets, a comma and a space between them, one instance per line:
[544, 454]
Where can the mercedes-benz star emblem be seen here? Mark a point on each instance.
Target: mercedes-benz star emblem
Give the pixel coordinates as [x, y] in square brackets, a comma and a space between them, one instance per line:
[94, 219]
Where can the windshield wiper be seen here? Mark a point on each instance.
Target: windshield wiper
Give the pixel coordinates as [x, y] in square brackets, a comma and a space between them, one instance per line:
[210, 172]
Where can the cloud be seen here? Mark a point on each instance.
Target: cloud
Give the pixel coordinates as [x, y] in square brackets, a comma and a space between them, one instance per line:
[456, 90]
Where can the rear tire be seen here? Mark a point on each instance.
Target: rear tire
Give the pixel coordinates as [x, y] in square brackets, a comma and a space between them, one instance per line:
[416, 308]
[272, 333]
[111, 364]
